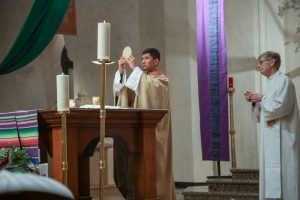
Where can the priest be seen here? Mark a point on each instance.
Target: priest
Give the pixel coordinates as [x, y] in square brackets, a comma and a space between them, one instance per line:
[277, 111]
[146, 87]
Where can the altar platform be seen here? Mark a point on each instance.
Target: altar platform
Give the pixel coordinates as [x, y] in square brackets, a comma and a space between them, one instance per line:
[133, 127]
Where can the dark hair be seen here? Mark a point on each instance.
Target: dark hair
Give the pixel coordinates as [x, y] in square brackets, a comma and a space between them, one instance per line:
[269, 55]
[154, 53]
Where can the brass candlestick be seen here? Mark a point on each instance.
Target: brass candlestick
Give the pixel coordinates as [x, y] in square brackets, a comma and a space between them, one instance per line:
[64, 147]
[231, 130]
[62, 82]
[102, 63]
[102, 126]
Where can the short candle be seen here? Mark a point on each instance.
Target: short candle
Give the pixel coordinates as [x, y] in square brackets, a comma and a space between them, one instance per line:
[230, 82]
[62, 91]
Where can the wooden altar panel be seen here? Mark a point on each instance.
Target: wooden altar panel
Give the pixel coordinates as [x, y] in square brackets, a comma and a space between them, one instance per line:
[134, 127]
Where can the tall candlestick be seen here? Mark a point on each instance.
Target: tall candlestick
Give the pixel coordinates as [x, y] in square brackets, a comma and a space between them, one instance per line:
[231, 130]
[103, 50]
[230, 82]
[62, 84]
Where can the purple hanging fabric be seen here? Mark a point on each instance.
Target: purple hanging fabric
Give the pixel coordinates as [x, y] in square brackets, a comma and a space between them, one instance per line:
[212, 80]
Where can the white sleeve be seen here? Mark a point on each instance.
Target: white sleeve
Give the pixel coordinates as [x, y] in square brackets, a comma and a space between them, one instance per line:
[280, 102]
[134, 79]
[118, 82]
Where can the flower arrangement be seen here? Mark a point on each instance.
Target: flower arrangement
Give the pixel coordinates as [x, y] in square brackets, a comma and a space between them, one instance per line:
[16, 160]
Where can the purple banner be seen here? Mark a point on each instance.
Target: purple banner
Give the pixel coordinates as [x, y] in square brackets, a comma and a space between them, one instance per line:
[212, 80]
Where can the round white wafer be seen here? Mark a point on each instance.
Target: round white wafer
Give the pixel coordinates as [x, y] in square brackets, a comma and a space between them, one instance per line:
[127, 52]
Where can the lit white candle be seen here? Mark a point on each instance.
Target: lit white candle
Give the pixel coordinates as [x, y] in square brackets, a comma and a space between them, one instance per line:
[103, 50]
[62, 89]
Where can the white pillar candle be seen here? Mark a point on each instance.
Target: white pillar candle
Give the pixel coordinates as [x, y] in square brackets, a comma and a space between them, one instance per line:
[62, 89]
[103, 50]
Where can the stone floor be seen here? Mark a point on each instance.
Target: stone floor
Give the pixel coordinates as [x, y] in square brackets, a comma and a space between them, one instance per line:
[112, 193]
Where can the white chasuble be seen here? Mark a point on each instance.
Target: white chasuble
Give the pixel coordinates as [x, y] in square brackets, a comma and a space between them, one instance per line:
[150, 92]
[279, 148]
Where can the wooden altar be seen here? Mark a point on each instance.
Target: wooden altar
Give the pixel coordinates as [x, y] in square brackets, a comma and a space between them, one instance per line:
[134, 127]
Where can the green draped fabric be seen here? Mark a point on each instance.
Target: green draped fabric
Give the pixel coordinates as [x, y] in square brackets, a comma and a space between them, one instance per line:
[36, 33]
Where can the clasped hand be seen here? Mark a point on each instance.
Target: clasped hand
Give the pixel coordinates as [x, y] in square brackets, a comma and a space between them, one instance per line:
[123, 61]
[253, 97]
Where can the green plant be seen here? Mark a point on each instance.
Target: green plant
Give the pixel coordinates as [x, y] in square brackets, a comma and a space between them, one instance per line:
[14, 159]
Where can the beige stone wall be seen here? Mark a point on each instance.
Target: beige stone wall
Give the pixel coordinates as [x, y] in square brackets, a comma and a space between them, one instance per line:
[292, 55]
[34, 86]
[241, 23]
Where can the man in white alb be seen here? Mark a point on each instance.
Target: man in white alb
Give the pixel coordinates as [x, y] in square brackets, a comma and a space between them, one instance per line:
[278, 114]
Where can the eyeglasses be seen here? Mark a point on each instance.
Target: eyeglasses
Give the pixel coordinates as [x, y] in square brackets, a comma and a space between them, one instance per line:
[260, 62]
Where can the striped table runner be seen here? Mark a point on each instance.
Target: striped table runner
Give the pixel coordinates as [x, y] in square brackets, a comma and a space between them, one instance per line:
[20, 129]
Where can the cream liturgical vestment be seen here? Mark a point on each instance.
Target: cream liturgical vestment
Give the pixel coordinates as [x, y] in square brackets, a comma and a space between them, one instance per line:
[279, 148]
[145, 91]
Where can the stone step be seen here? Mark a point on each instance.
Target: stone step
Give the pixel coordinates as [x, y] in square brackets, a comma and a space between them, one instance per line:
[201, 193]
[233, 186]
[219, 196]
[245, 174]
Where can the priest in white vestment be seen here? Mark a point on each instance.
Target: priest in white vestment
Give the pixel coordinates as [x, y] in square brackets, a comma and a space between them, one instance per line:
[148, 87]
[278, 114]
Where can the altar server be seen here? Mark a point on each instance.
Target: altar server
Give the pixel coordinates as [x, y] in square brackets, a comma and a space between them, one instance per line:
[278, 113]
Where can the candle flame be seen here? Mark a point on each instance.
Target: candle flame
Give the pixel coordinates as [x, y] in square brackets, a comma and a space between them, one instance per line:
[103, 21]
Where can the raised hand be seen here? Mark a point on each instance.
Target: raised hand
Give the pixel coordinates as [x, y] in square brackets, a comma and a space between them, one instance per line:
[131, 61]
[122, 63]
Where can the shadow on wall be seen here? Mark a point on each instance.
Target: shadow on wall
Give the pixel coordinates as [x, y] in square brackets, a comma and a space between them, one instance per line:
[294, 73]
[242, 64]
[238, 65]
